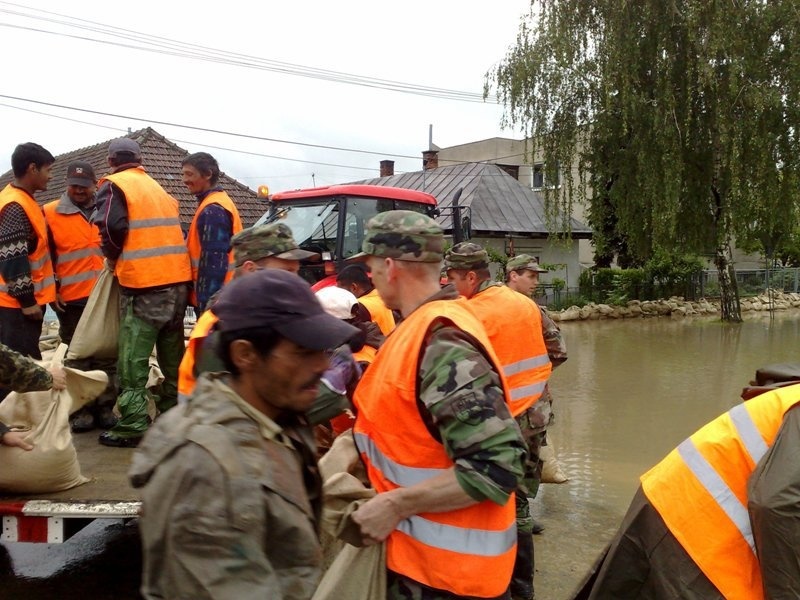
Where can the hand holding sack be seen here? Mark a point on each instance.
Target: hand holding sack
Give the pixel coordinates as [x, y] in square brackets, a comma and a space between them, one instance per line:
[52, 465]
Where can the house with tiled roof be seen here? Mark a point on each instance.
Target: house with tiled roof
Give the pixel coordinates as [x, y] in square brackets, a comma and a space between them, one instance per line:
[161, 158]
[504, 213]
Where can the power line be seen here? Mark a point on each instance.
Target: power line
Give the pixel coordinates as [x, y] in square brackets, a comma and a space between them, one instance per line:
[205, 129]
[204, 145]
[166, 46]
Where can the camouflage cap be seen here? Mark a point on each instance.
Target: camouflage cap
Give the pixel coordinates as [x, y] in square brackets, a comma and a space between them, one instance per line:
[466, 256]
[404, 235]
[262, 241]
[522, 262]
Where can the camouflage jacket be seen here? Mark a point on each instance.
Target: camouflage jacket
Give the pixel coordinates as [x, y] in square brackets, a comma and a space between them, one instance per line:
[21, 374]
[553, 339]
[489, 454]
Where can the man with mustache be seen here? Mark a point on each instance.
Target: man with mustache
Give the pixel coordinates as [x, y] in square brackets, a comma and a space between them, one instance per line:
[231, 494]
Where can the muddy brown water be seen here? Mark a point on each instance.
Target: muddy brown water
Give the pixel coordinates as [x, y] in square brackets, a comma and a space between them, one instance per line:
[630, 392]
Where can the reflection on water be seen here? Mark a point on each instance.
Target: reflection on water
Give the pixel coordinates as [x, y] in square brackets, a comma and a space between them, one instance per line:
[632, 390]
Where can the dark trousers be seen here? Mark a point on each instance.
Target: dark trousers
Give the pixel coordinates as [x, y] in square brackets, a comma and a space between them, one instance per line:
[20, 333]
[68, 321]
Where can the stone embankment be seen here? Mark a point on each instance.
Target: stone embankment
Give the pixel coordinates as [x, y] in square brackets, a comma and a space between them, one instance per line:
[675, 306]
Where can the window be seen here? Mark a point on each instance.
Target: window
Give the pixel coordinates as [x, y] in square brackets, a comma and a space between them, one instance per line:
[539, 179]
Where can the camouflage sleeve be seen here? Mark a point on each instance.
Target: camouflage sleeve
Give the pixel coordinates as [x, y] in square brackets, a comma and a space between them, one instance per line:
[21, 374]
[463, 394]
[553, 340]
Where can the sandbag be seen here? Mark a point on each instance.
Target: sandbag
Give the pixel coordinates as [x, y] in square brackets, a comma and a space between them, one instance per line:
[356, 574]
[551, 468]
[52, 465]
[97, 332]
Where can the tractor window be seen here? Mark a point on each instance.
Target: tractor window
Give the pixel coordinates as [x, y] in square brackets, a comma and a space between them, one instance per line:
[359, 212]
[425, 209]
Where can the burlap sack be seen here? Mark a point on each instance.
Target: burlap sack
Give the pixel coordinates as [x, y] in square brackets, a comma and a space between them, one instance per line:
[355, 573]
[52, 465]
[551, 468]
[97, 333]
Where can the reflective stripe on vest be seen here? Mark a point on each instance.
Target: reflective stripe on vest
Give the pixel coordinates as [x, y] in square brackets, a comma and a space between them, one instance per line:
[454, 539]
[451, 550]
[222, 199]
[514, 326]
[41, 268]
[154, 253]
[700, 490]
[710, 479]
[79, 260]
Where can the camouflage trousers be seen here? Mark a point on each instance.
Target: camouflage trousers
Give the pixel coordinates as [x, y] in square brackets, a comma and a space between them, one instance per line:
[402, 588]
[152, 319]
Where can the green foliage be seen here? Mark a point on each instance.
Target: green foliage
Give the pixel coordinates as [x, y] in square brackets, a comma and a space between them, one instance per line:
[680, 117]
[662, 276]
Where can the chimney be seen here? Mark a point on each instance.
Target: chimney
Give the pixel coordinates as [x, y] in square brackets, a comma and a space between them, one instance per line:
[387, 168]
[430, 160]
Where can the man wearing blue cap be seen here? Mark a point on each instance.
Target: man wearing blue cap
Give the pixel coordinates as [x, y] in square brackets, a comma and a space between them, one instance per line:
[231, 495]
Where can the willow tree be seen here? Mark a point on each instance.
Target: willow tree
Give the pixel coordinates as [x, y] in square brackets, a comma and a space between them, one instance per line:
[681, 116]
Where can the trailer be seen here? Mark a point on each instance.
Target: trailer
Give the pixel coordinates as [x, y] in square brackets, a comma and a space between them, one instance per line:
[53, 518]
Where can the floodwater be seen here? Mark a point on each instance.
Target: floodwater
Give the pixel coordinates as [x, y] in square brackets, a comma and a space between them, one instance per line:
[628, 394]
[630, 391]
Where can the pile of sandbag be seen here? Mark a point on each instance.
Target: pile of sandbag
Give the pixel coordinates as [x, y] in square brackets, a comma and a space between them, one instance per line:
[52, 465]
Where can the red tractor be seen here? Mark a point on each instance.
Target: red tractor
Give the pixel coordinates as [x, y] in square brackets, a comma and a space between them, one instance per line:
[332, 221]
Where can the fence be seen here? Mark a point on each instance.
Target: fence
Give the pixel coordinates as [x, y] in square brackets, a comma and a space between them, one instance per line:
[705, 284]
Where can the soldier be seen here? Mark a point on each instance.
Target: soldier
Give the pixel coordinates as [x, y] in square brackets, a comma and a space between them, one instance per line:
[434, 429]
[215, 222]
[142, 240]
[522, 275]
[27, 283]
[21, 374]
[231, 492]
[78, 260]
[513, 324]
[262, 247]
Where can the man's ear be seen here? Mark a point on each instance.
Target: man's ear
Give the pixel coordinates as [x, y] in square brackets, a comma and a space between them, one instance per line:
[243, 355]
[391, 268]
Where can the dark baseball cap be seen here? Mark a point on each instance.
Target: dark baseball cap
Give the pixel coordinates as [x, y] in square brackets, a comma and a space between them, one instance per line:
[124, 145]
[283, 301]
[80, 173]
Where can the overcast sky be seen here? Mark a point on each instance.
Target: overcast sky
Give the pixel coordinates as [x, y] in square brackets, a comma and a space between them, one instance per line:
[447, 44]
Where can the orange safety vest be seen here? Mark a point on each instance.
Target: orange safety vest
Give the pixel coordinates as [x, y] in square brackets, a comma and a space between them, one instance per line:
[186, 376]
[700, 491]
[514, 326]
[380, 313]
[154, 253]
[79, 260]
[193, 240]
[366, 354]
[44, 281]
[468, 551]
